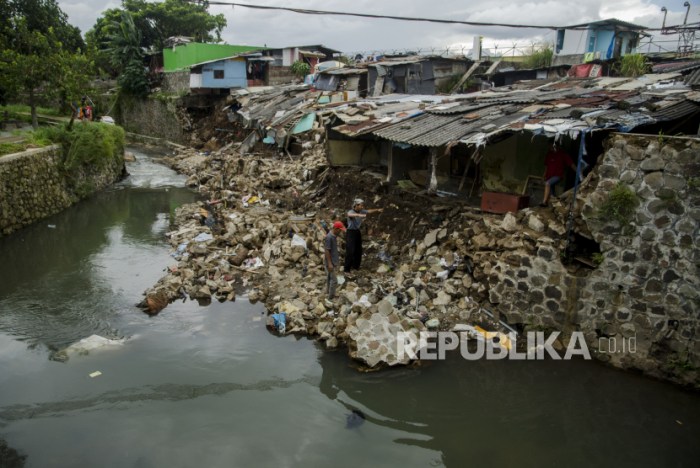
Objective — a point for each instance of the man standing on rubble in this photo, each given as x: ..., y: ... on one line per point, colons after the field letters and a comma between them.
x: 353, y: 239
x: 555, y: 163
x: 332, y: 258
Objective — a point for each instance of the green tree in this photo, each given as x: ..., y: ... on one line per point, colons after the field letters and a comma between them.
x: 40, y: 16
x: 126, y: 56
x: 158, y: 21
x: 37, y: 63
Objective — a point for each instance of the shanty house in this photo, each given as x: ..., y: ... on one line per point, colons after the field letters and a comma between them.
x: 219, y: 74
x: 414, y: 75
x: 599, y: 40
x: 352, y: 81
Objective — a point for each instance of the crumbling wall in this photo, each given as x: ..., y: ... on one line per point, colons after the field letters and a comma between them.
x: 280, y: 75
x: 645, y: 292
x: 35, y: 184
x: 648, y: 283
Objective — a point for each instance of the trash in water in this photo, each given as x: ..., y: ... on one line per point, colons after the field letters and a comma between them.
x: 52, y: 226
x: 280, y: 321
x: 355, y: 419
x: 203, y: 237
x: 95, y: 374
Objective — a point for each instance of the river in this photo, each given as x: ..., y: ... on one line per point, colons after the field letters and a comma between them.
x: 210, y: 387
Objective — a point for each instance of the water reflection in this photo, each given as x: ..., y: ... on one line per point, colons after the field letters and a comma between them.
x: 64, y: 277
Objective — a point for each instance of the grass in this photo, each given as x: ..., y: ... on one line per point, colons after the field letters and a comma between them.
x: 619, y: 206
x: 11, y: 148
x: 87, y: 143
x: 15, y: 110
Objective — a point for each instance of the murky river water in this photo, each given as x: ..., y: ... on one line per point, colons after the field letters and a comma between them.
x: 209, y: 387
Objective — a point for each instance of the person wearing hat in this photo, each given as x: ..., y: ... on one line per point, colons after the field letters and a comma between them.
x: 332, y: 258
x: 353, y: 238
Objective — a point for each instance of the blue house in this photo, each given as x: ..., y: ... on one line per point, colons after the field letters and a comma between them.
x: 599, y: 40
x: 219, y: 74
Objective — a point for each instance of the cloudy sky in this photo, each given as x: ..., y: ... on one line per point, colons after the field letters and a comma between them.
x: 351, y: 35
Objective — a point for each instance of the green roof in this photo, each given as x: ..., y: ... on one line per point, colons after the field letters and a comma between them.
x: 182, y: 57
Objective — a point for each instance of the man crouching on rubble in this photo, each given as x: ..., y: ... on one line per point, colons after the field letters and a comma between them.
x: 332, y: 259
x: 353, y: 240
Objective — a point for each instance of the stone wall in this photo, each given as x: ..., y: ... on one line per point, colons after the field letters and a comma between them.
x: 645, y: 291
x: 280, y: 75
x: 34, y: 184
x: 154, y: 116
x: 176, y: 82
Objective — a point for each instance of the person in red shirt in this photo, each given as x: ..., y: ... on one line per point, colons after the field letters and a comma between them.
x: 555, y: 163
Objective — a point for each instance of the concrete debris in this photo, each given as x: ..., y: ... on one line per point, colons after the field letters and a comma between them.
x: 261, y: 231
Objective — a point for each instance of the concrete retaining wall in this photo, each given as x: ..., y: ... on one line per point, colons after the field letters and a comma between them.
x: 644, y: 294
x: 152, y: 116
x: 34, y: 185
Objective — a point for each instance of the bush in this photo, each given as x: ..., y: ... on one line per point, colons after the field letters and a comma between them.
x: 92, y: 143
x: 301, y: 69
x: 632, y: 65
x: 541, y: 58
x: 619, y: 206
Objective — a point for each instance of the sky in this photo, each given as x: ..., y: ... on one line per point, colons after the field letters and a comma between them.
x: 361, y: 35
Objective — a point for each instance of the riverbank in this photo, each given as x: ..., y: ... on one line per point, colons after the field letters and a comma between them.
x: 39, y: 182
x: 429, y: 263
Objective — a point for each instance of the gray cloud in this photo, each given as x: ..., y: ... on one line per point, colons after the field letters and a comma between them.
x: 275, y: 28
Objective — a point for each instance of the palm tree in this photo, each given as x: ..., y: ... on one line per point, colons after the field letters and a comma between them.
x: 125, y: 54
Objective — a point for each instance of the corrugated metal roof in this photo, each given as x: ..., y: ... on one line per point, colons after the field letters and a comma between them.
x: 404, y: 132
x: 693, y: 79
x: 444, y: 134
x: 344, y: 71
x: 676, y: 66
x: 459, y: 108
x: 608, y: 22
x: 676, y: 111
x: 566, y: 112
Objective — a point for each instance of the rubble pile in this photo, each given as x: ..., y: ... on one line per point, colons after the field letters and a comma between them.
x: 260, y: 235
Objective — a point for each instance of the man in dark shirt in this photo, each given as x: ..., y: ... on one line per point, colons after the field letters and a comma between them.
x: 331, y: 258
x: 353, y: 239
x: 555, y: 163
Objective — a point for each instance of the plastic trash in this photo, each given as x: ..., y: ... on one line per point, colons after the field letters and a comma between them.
x: 443, y: 274
x: 253, y: 263
x: 95, y: 374
x: 52, y: 226
x: 280, y: 321
x: 181, y: 249
x: 250, y: 200
x: 299, y: 241
x: 203, y: 237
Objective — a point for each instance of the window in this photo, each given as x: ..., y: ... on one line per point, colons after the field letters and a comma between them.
x: 560, y: 40
x: 218, y: 74
x: 591, y: 43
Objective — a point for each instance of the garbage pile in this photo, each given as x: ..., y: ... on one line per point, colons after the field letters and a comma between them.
x: 260, y: 235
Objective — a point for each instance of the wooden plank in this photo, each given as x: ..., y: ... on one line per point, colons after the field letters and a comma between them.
x: 493, y: 67
x: 378, y: 86
x: 466, y: 76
